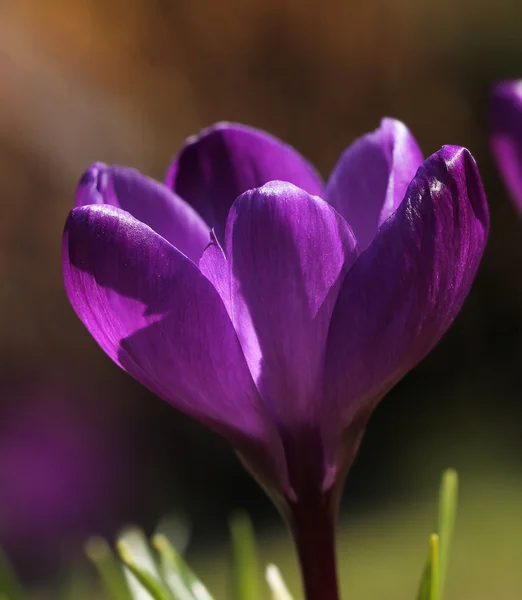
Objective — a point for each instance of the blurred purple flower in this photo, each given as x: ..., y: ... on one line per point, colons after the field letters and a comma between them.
x: 309, y: 303
x: 60, y: 475
x: 506, y: 135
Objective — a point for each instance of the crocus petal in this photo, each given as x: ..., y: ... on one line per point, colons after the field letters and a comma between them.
x: 148, y: 201
x: 286, y: 255
x: 404, y: 291
x: 213, y: 264
x: 154, y: 313
x: 371, y: 177
x: 506, y: 135
x: 216, y: 166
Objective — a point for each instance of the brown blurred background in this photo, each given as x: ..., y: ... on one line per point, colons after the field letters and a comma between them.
x: 126, y: 81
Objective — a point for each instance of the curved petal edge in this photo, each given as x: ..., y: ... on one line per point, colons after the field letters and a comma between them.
x: 404, y: 291
x: 216, y: 166
x: 370, y: 179
x: 148, y: 201
x: 154, y: 313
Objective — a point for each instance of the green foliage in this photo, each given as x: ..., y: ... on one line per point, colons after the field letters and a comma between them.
x: 429, y: 586
x: 448, y: 500
x: 246, y: 578
x: 276, y: 584
x: 153, y: 569
x: 157, y: 572
x: 109, y: 568
x: 434, y: 574
x: 181, y: 580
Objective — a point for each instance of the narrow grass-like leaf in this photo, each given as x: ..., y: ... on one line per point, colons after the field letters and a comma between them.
x: 447, y: 512
x: 434, y: 574
x: 137, y: 546
x: 276, y: 584
x: 429, y: 585
x: 200, y: 591
x: 109, y: 569
x: 10, y: 586
x: 435, y: 569
x: 246, y: 574
x: 425, y: 583
x: 180, y: 578
x: 172, y: 569
x: 153, y: 586
x: 171, y: 561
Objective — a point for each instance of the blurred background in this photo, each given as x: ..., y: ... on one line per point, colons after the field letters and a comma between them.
x: 83, y: 448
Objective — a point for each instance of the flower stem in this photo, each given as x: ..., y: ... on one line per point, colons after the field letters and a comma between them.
x: 313, y: 528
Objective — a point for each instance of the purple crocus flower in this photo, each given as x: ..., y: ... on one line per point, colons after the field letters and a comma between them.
x: 273, y: 308
x: 60, y: 475
x: 506, y: 135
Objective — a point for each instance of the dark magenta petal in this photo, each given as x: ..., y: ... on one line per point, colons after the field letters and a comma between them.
x: 286, y: 255
x: 215, y: 167
x: 404, y: 291
x: 154, y: 313
x: 148, y: 201
x: 506, y: 135
x: 372, y: 176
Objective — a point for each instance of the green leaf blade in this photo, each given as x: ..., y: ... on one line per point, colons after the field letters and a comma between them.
x: 448, y: 500
x: 147, y: 580
x: 276, y: 584
x: 246, y: 573
x: 429, y: 585
x: 111, y: 574
x: 435, y: 569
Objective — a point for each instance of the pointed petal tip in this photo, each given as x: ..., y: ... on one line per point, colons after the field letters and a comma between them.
x: 76, y: 224
x: 276, y: 187
x: 392, y: 123
x: 75, y: 214
x: 90, y: 186
x: 147, y: 200
x: 451, y: 152
x: 372, y: 175
x: 456, y: 159
x: 89, y: 176
x: 462, y: 168
x: 398, y: 136
x: 93, y: 171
